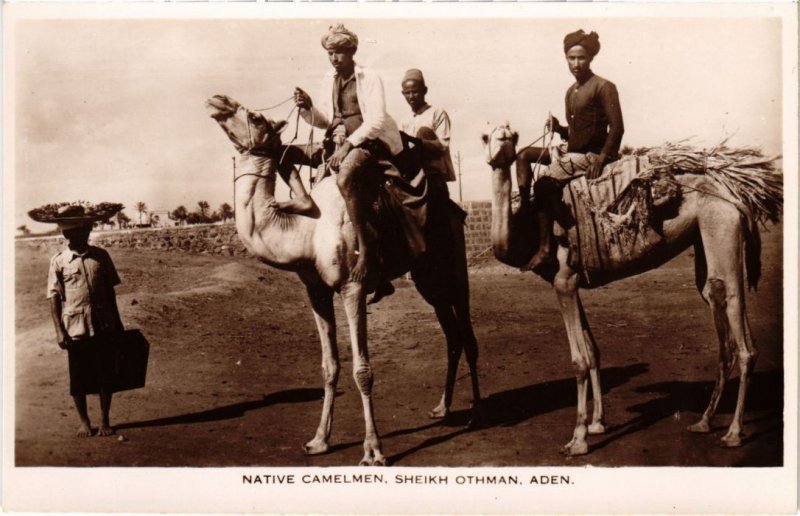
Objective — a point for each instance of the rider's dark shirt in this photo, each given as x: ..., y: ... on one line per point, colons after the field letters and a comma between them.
x: 594, y: 117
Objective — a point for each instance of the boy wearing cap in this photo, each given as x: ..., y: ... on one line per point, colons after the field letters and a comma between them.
x: 352, y: 110
x: 80, y: 286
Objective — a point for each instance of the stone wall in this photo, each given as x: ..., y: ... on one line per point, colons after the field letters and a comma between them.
x: 221, y: 239
x: 479, y: 221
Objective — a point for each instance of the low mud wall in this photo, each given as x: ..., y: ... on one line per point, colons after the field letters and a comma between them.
x: 221, y: 239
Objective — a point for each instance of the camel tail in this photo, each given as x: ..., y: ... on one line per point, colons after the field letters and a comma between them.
x: 752, y: 253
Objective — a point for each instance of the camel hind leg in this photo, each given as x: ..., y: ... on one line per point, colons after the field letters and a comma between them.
x: 354, y: 300
x: 441, y: 277
x: 723, y: 290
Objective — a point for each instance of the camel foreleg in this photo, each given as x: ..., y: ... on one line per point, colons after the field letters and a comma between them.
x: 582, y: 351
x: 354, y: 300
x: 321, y: 298
x: 597, y: 426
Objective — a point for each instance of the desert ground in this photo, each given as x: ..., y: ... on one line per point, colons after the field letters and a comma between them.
x: 234, y: 372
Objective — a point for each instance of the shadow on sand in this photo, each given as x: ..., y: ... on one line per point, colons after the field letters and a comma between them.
x: 231, y: 411
x: 765, y: 395
x: 512, y: 407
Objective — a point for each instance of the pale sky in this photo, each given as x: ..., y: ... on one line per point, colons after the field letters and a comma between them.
x: 113, y: 109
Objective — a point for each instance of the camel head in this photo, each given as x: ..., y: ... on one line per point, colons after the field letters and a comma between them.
x: 500, y: 145
x: 248, y: 130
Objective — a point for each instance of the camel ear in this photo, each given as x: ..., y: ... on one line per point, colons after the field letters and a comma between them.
x: 515, y: 137
x: 280, y: 125
x: 485, y: 138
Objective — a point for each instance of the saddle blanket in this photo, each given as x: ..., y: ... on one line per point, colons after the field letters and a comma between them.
x: 609, y: 222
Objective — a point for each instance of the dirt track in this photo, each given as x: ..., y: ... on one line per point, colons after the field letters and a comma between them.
x: 234, y: 376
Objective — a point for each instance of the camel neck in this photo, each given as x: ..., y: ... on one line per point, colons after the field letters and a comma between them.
x: 263, y: 229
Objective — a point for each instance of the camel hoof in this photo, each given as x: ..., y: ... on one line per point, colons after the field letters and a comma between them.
x: 315, y: 447
x: 574, y: 448
x: 369, y: 461
x: 731, y: 441
x: 439, y: 413
x: 384, y: 289
x: 597, y: 428
x: 701, y: 427
x: 477, y: 416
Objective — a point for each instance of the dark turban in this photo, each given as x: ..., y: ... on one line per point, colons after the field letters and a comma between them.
x: 338, y: 38
x: 591, y: 41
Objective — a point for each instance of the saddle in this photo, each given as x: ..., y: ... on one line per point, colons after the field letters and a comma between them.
x: 614, y: 221
x: 399, y: 189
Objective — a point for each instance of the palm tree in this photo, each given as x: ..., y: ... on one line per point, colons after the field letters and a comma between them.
x: 203, y: 205
x: 225, y: 212
x: 180, y: 213
x: 141, y: 208
x: 122, y: 219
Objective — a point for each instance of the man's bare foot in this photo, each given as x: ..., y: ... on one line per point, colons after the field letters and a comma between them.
x: 85, y: 430
x: 385, y: 288
x: 359, y: 270
x: 298, y: 206
x: 541, y: 258
x: 105, y: 429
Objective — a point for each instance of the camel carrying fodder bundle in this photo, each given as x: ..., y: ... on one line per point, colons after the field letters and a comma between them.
x: 721, y: 195
x: 751, y: 178
x: 618, y: 216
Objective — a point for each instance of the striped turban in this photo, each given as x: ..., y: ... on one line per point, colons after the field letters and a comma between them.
x: 339, y: 38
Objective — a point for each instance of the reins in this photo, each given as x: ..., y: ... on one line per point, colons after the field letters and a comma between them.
x: 545, y: 133
x: 308, y: 144
x: 276, y: 105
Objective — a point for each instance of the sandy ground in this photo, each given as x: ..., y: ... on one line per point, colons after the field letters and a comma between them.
x: 234, y: 373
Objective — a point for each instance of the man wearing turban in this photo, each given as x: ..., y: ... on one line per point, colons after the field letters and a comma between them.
x: 352, y: 110
x: 594, y: 131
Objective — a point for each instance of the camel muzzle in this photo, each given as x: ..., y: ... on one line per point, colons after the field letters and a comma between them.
x: 220, y: 106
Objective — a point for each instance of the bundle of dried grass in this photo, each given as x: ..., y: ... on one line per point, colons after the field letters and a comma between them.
x: 100, y: 211
x: 750, y: 177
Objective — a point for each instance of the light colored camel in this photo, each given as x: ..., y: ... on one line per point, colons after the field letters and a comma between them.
x: 707, y: 219
x: 321, y: 250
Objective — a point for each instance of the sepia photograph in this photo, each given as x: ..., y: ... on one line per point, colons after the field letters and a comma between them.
x: 530, y: 258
